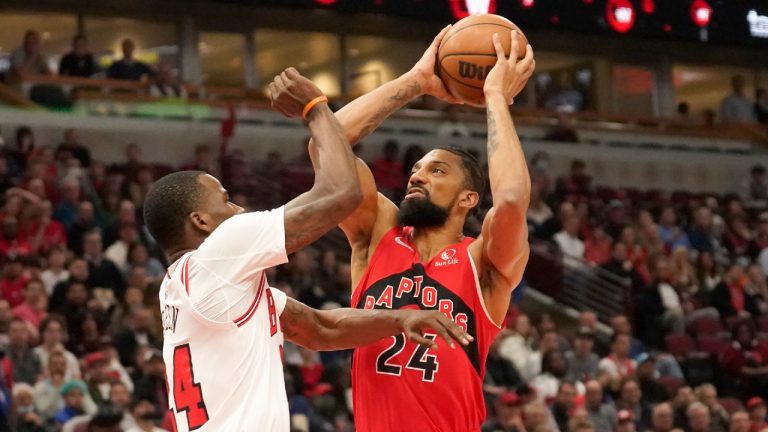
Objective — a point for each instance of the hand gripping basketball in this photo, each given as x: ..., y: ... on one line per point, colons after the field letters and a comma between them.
x: 508, y: 76
x: 290, y: 92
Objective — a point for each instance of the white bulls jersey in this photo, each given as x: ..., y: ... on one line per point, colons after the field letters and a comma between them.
x: 222, y: 339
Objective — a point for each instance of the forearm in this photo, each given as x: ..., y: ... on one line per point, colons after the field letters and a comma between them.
x: 347, y: 328
x: 331, y: 155
x: 507, y: 168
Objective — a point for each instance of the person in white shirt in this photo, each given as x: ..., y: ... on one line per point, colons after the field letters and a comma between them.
x: 737, y: 108
x: 223, y: 326
x: 569, y: 242
x: 56, y: 271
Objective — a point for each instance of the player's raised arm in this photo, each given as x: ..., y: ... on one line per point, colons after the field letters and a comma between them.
x: 348, y: 328
x: 336, y: 191
x: 504, y: 238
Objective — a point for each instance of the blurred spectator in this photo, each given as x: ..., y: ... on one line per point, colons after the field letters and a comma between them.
x: 662, y: 418
x: 746, y: 360
x: 98, y: 377
x: 18, y: 156
x: 554, y: 366
x: 730, y: 298
x: 151, y: 386
x: 621, y: 266
x: 761, y: 105
x: 53, y: 333
x: 617, y: 365
x: 518, y: 347
x: 576, y: 184
x: 29, y: 58
x: 79, y: 62
x: 538, y: 210
x: 55, y: 271
x: 680, y: 403
x: 11, y: 244
x: 539, y: 169
x: 509, y: 415
x: 631, y: 399
x: 708, y: 273
x: 25, y: 363
x: 707, y: 395
x: 669, y: 230
x: 138, y: 256
x: 145, y: 416
x: 75, y: 148
x: 699, y: 419
x: 103, y: 273
x: 500, y: 373
x: 564, y: 404
x: 45, y: 233
x: 597, y: 246
x: 135, y: 336
x: 736, y: 107
x: 538, y: 417
x: 27, y: 419
x: 118, y: 251
x: 602, y: 415
x: 13, y: 281
x: 386, y: 171
x: 205, y: 161
x: 33, y: 309
x: 754, y: 189
x: 757, y: 413
x: 67, y: 210
x: 583, y: 364
x: 626, y: 421
x: 740, y: 422
x: 48, y: 398
x: 166, y: 84
x: 74, y: 392
x: 659, y: 309
x: 569, y: 242
x: 451, y: 126
x: 128, y: 68
x: 653, y: 392
x: 701, y: 233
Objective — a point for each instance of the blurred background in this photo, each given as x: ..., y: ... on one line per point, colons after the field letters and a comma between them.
x: 645, y: 125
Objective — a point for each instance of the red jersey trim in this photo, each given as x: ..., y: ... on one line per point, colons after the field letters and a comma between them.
x: 480, y: 297
x: 244, y: 318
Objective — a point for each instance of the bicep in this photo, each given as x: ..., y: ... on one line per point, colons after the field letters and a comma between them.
x: 504, y: 242
x: 375, y: 215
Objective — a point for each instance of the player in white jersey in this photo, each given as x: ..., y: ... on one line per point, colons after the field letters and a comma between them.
x: 223, y: 326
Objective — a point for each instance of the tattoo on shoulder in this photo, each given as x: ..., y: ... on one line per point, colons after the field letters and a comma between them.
x: 391, y: 104
x: 493, y: 139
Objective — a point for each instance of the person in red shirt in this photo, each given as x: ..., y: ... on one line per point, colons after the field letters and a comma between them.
x: 757, y: 413
x: 11, y: 243
x: 33, y: 310
x: 13, y: 281
x: 746, y: 359
x: 43, y: 233
x: 388, y: 172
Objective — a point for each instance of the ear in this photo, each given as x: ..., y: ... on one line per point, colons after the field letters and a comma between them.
x: 201, y: 221
x: 469, y: 199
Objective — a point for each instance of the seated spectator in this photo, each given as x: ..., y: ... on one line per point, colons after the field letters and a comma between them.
x: 662, y: 418
x: 79, y: 62
x: 757, y: 413
x: 549, y: 342
x: 564, y: 405
x: 740, y: 422
x: 74, y: 392
x: 205, y: 161
x: 500, y: 374
x: 653, y: 392
x: 701, y: 234
x: 518, y: 347
x: 553, y: 370
x: 33, y: 309
x: 26, y: 416
x: 13, y: 280
x: 708, y: 274
x: 137, y: 335
x: 138, y: 256
x: 144, y: 414
x: 616, y: 220
x: 165, y: 84
x: 621, y: 266
x: 138, y: 189
x: 626, y: 421
x: 569, y: 242
x: 67, y: 210
x: 597, y: 246
x: 538, y: 417
x: 99, y: 378
x: 746, y: 360
x: 11, y: 244
x: 602, y: 415
x: 617, y: 365
x: 538, y: 210
x: 120, y: 397
x: 118, y: 251
x: 75, y: 148
x: 128, y: 68
x: 730, y: 298
x: 707, y: 395
x: 25, y: 364
x: 680, y: 403
x: 78, y: 273
x: 736, y: 107
x: 48, y: 398
x: 508, y: 415
x: 152, y: 385
x: 682, y: 272
x: 103, y: 273
x: 739, y: 238
x: 29, y: 58
x: 659, y: 309
x: 582, y: 362
x: 45, y: 233
x: 387, y: 171
x: 85, y: 222
x: 576, y: 184
x: 53, y: 333
x: 451, y: 126
x: 699, y: 419
x: 631, y: 399
x: 564, y: 131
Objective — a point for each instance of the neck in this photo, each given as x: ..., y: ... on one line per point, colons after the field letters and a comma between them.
x: 429, y: 241
x: 178, y: 253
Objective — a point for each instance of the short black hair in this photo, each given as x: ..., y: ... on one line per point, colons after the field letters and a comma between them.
x: 474, y: 173
x: 168, y: 203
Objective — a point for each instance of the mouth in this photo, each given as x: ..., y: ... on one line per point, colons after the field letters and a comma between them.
x: 415, y: 192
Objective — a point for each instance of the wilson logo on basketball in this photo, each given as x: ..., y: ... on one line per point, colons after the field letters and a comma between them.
x: 473, y: 71
x: 464, y: 8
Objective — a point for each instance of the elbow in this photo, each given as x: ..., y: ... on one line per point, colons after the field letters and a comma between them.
x: 513, y: 199
x: 349, y: 197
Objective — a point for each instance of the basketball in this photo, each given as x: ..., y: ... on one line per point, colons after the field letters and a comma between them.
x: 466, y: 54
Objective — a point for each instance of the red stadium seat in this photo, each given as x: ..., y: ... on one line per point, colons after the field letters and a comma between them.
x: 706, y: 326
x: 711, y: 344
x: 671, y: 383
x: 680, y: 345
x: 731, y: 404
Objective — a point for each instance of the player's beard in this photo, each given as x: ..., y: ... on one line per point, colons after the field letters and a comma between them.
x: 421, y: 213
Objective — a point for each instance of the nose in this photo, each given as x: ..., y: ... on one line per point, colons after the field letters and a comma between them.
x: 418, y: 177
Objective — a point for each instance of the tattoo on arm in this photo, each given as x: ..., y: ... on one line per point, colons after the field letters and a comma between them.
x: 390, y: 105
x: 309, y: 219
x: 293, y: 318
x: 493, y: 139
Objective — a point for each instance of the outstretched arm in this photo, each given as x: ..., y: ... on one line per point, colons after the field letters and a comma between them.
x: 336, y: 191
x: 348, y: 328
x: 504, y: 238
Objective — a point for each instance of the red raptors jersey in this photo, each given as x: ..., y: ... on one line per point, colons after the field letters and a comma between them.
x: 400, y: 386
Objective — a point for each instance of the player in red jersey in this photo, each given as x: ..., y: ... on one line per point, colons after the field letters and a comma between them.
x: 416, y: 256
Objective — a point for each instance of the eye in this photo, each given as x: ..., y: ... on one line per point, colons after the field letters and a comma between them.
x: 438, y: 170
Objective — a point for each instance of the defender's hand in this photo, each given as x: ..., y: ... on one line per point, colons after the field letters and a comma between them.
x: 425, y: 72
x: 290, y: 92
x: 508, y: 76
x: 415, y: 322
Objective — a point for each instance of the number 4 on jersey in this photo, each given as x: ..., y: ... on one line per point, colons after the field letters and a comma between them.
x: 420, y: 359
x: 187, y: 394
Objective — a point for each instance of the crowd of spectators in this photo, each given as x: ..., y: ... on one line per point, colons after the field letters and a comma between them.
x: 80, y: 327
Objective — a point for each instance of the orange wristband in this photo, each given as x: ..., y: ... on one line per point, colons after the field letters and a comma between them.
x: 312, y: 104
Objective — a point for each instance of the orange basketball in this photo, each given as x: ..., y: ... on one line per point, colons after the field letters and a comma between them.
x: 466, y: 54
